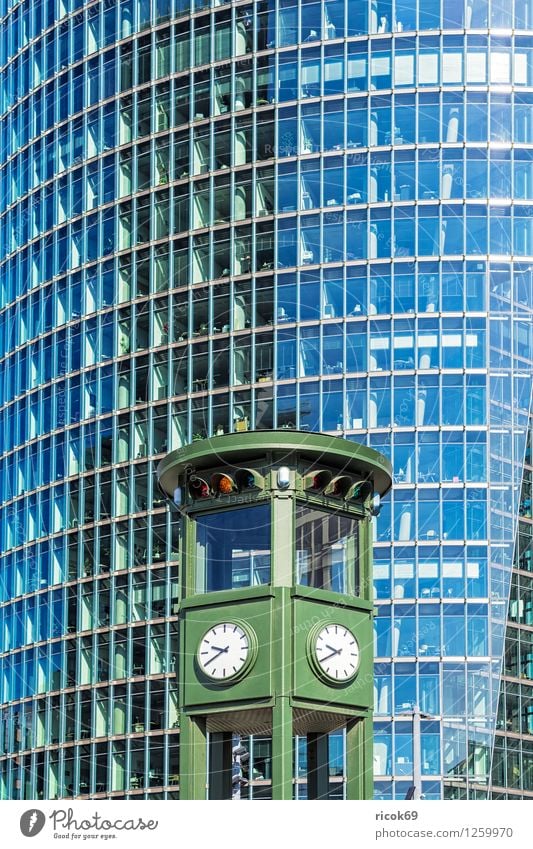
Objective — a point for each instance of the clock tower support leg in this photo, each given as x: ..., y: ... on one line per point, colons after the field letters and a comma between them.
x: 220, y: 767
x: 282, y: 750
x: 193, y: 757
x: 359, y: 765
x: 317, y: 765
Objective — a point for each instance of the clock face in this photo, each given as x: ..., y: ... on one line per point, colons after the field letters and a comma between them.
x: 336, y: 653
x: 224, y: 651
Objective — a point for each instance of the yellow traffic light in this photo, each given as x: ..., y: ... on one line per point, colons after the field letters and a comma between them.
x: 222, y: 484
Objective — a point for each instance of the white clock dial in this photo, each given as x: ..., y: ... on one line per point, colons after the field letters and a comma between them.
x: 336, y: 652
x: 223, y: 651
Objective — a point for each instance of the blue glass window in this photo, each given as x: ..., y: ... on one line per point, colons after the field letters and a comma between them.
x: 235, y: 553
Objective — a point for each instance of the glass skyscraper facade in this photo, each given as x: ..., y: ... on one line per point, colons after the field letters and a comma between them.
x: 254, y: 215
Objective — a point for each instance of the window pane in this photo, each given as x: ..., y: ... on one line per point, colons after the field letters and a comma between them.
x: 233, y: 549
x: 326, y: 546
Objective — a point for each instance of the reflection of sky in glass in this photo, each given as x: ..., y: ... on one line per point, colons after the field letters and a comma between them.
x: 233, y: 549
x: 326, y: 555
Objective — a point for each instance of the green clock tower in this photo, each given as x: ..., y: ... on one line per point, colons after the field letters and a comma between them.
x: 275, y: 616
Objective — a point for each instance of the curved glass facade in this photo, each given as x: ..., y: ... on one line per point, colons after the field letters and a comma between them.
x: 256, y: 215
x: 512, y: 760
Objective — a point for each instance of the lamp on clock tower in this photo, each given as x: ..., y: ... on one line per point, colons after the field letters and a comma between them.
x: 275, y: 613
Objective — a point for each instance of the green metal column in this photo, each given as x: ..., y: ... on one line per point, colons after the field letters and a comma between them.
x: 317, y: 765
x: 283, y: 540
x: 282, y: 741
x: 282, y: 755
x: 220, y: 766
x: 193, y: 757
x: 359, y: 763
x: 365, y: 588
x: 282, y: 578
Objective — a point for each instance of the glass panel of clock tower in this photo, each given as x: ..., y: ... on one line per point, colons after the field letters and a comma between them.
x: 326, y: 546
x: 233, y: 549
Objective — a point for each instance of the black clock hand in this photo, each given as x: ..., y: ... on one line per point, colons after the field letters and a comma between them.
x: 219, y: 652
x: 334, y: 652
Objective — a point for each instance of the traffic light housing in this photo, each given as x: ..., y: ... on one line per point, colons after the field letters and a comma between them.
x: 198, y: 488
x: 222, y: 484
x: 225, y: 483
x: 339, y: 487
x: 248, y: 480
x: 361, y: 490
x: 342, y: 487
x: 316, y: 481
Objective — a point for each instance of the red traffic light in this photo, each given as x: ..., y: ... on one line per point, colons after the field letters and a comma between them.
x: 316, y: 480
x: 199, y: 488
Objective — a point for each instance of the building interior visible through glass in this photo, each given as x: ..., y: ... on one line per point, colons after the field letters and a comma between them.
x: 233, y: 548
x: 326, y: 550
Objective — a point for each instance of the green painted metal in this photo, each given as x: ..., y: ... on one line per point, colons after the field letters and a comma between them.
x: 220, y: 760
x: 317, y: 765
x: 365, y: 561
x: 282, y: 749
x: 355, y: 695
x: 187, y: 579
x: 281, y: 683
x: 238, y: 449
x: 282, y: 711
x: 193, y: 757
x: 359, y: 776
x: 198, y: 691
x: 282, y: 545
